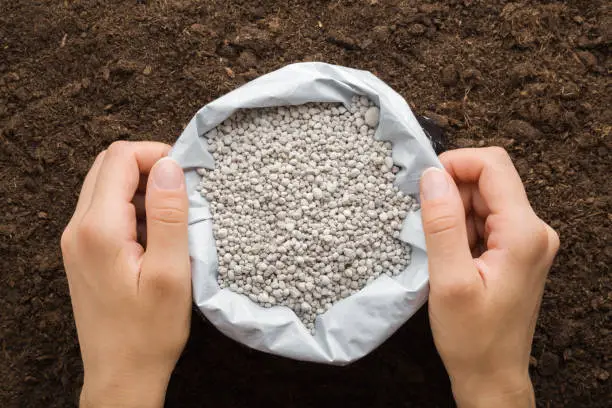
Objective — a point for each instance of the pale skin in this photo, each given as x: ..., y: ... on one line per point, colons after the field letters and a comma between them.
x: 489, y: 255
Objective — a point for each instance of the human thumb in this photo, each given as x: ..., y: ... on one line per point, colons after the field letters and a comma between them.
x: 443, y: 214
x: 166, y: 209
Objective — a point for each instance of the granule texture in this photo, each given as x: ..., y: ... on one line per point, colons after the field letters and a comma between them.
x: 304, y: 207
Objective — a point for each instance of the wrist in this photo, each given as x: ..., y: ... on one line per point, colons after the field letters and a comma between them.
x: 500, y: 391
x: 125, y: 390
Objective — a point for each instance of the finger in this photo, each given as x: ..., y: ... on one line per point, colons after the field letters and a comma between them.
x: 475, y: 209
x: 88, y: 187
x: 448, y: 249
x: 465, y: 191
x: 123, y: 166
x: 167, y: 245
x: 492, y: 170
x: 472, y: 200
x: 117, y: 181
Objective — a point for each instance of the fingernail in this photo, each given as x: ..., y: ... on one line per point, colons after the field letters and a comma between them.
x: 434, y: 184
x: 167, y: 174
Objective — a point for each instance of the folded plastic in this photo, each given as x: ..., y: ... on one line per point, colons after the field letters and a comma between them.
x: 359, y: 323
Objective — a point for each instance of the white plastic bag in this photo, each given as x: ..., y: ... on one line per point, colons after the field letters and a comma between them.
x: 358, y: 324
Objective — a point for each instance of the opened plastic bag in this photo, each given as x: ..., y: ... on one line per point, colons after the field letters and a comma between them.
x: 359, y: 323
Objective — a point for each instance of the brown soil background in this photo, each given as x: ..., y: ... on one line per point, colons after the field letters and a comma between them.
x: 531, y: 76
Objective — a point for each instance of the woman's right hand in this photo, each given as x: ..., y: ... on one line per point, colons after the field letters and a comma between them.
x: 489, y: 255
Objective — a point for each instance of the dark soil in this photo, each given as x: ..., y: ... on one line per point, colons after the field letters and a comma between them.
x: 531, y: 76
